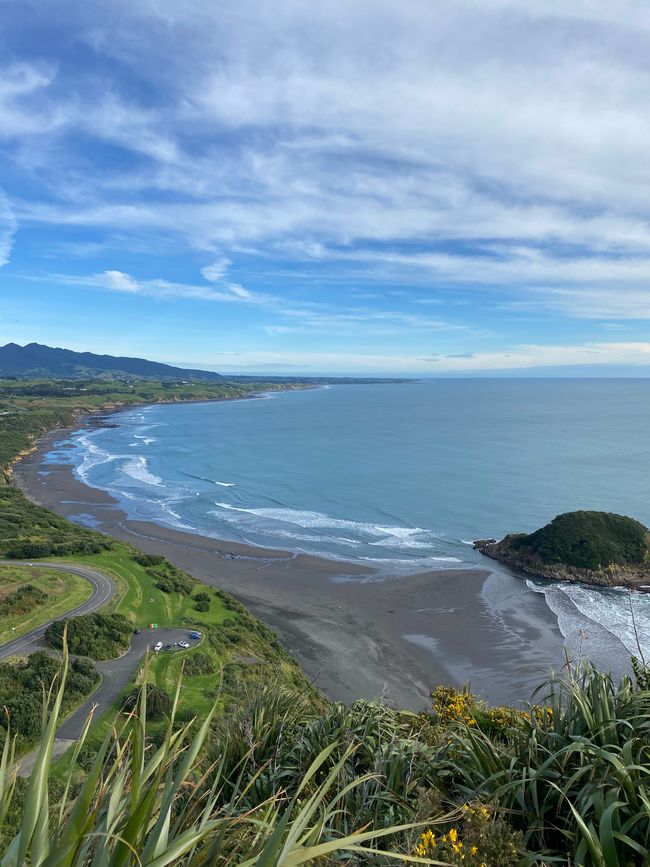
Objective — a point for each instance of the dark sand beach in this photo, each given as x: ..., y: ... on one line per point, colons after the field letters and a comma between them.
x: 355, y: 635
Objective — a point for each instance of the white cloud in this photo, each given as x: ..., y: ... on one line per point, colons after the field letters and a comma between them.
x: 8, y: 226
x: 118, y: 281
x: 217, y: 270
x: 377, y: 137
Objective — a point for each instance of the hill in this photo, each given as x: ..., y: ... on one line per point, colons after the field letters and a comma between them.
x: 595, y: 547
x: 37, y: 360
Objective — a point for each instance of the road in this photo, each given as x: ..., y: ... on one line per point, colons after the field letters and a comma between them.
x: 103, y: 591
x: 116, y: 673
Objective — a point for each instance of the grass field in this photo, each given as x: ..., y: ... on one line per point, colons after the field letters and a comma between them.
x: 140, y: 600
x: 64, y: 591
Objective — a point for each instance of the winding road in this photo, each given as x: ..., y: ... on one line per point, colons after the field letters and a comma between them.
x: 103, y: 592
x: 116, y: 673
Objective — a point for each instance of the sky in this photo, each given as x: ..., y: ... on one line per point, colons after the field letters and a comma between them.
x: 429, y: 188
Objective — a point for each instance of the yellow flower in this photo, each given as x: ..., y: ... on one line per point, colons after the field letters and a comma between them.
x: 453, y: 835
x: 474, y: 850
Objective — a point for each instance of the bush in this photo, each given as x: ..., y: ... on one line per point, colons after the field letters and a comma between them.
x: 148, y: 559
x: 169, y: 579
x: 203, y: 597
x: 100, y: 636
x: 22, y: 688
x: 199, y: 663
x: 159, y: 704
x: 23, y: 600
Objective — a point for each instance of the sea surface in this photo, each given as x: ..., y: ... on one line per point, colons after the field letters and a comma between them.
x: 399, y: 476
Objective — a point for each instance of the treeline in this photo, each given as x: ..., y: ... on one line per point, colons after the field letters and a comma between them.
x: 100, y: 636
x: 168, y: 577
x: 23, y: 685
x: 28, y: 531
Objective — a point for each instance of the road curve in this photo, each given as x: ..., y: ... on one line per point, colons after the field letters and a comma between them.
x: 103, y: 592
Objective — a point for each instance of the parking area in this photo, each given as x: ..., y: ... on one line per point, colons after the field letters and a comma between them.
x: 167, y: 644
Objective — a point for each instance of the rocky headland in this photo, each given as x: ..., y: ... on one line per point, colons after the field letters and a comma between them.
x: 597, y: 548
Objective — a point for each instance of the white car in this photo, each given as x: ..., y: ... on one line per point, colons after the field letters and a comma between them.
x: 157, y: 647
x: 183, y: 644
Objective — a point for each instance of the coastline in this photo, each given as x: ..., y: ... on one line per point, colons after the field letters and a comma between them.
x: 354, y: 635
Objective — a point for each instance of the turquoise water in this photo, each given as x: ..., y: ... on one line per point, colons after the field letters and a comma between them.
x: 401, y: 476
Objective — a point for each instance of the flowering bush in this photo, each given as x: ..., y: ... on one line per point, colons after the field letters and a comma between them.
x: 483, y: 839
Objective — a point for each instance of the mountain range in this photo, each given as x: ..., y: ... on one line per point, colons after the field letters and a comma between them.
x: 37, y: 360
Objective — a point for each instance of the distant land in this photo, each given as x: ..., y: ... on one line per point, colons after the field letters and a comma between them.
x: 593, y: 547
x: 37, y: 361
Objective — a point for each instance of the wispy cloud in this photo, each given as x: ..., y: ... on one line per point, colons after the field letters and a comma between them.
x: 492, y: 153
x: 118, y: 281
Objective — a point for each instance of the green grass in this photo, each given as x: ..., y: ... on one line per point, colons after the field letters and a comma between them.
x: 139, y: 599
x: 65, y: 591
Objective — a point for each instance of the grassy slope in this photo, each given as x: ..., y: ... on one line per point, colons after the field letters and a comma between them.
x: 65, y: 591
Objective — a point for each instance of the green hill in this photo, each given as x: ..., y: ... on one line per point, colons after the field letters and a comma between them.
x: 580, y: 545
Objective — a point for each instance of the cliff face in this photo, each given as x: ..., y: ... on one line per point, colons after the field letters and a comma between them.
x: 597, y: 548
x: 526, y: 561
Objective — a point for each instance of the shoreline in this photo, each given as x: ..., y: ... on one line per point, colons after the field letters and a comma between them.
x: 390, y: 638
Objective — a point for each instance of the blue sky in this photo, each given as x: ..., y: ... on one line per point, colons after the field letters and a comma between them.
x: 428, y: 188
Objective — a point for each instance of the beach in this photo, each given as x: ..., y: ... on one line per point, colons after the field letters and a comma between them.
x: 357, y: 636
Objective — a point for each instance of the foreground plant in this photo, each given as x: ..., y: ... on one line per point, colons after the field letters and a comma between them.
x: 160, y: 806
x: 574, y: 777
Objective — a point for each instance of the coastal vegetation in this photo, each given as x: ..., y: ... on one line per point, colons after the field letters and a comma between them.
x: 30, y: 597
x: 23, y: 685
x: 276, y: 780
x: 598, y: 547
x: 98, y: 635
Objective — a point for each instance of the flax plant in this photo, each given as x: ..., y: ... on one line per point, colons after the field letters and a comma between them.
x: 141, y: 805
x: 575, y: 779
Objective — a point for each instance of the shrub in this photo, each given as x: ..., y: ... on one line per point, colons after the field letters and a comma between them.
x: 159, y: 704
x: 148, y: 559
x: 199, y: 663
x: 23, y: 600
x: 100, y: 636
x: 169, y: 579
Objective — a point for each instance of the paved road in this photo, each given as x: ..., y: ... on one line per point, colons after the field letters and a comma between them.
x: 103, y: 590
x: 116, y: 673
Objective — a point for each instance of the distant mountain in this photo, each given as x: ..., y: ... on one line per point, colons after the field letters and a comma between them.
x: 44, y: 361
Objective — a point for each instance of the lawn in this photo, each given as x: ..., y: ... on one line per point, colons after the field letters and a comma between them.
x: 64, y: 591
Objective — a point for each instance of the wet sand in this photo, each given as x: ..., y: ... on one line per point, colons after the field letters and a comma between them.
x: 355, y: 635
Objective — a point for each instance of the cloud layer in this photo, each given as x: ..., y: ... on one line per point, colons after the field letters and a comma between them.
x: 491, y: 155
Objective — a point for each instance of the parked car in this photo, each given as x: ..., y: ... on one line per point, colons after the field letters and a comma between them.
x: 157, y: 647
x: 168, y: 647
x: 183, y: 644
x: 195, y: 635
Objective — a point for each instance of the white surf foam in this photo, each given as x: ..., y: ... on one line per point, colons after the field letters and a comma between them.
x: 138, y: 468
x: 318, y: 520
x: 582, y: 610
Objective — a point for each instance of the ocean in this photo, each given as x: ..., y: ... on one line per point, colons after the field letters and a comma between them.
x: 398, y: 476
